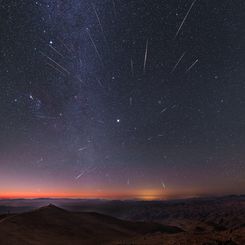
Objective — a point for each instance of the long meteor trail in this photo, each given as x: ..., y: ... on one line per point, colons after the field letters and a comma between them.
x: 146, y: 54
x: 192, y: 65
x: 183, y: 21
x: 56, y: 63
x: 95, y: 47
x: 99, y: 21
x: 179, y: 60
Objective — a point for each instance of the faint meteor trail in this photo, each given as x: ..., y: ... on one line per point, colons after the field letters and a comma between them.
x: 63, y: 68
x: 86, y: 171
x: 95, y: 47
x: 183, y: 22
x: 56, y: 51
x: 82, y: 148
x: 114, y: 8
x: 56, y: 69
x: 192, y: 65
x: 179, y: 60
x: 80, y: 80
x: 46, y: 117
x: 163, y: 185
x: 67, y: 48
x: 99, y: 82
x: 165, y: 109
x: 132, y: 67
x: 130, y: 101
x: 146, y: 55
x: 56, y: 63
x: 99, y: 21
x: 101, y: 122
x: 80, y: 175
x: 39, y: 161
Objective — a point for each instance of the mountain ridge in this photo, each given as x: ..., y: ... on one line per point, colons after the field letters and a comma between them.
x: 50, y: 224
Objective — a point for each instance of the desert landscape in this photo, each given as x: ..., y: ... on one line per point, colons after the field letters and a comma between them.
x: 204, y: 221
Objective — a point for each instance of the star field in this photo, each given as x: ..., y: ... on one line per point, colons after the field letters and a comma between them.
x: 120, y: 98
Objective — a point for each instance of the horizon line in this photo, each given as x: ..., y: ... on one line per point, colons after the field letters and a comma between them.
x: 125, y: 198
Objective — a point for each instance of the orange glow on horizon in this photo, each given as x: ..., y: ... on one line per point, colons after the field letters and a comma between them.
x: 141, y: 194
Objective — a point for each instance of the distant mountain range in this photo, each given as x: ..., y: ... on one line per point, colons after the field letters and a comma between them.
x: 199, y: 221
x: 53, y: 225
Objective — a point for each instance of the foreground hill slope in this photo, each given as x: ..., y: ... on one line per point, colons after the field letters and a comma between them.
x: 53, y: 225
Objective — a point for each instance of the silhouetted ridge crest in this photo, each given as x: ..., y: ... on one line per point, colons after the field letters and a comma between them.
x: 51, y: 207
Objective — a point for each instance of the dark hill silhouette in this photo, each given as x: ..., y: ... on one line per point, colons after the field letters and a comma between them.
x: 54, y: 225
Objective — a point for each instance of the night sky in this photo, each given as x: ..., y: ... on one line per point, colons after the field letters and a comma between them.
x: 122, y: 99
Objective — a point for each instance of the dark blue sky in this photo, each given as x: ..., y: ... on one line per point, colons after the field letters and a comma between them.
x: 118, y: 97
